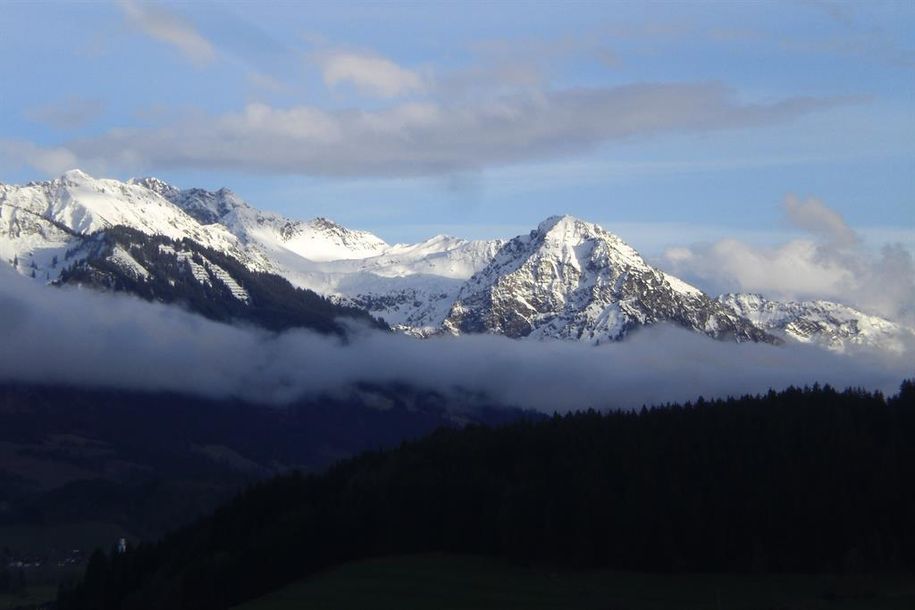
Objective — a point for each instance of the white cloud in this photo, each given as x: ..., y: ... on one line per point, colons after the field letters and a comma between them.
x: 163, y: 25
x: 369, y: 74
x: 82, y: 337
x: 410, y: 139
x: 834, y: 265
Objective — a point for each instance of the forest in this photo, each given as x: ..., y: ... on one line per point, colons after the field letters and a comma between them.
x: 811, y: 480
x: 273, y: 303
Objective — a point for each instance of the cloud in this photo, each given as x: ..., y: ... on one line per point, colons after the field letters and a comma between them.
x: 812, y: 215
x: 51, y: 161
x: 86, y: 338
x: 427, y: 138
x: 831, y: 264
x: 71, y: 113
x: 369, y: 74
x: 163, y: 25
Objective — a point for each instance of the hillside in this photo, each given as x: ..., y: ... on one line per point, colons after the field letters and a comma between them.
x: 204, y: 281
x: 807, y: 480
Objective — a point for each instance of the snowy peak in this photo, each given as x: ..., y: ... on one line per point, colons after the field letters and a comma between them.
x: 572, y: 279
x: 75, y: 177
x: 156, y: 185
x: 831, y: 325
x: 569, y: 227
x: 359, y: 244
x: 207, y: 207
x: 84, y: 205
x: 43, y: 223
x: 572, y: 238
x: 566, y: 279
x: 295, y: 244
x: 323, y: 240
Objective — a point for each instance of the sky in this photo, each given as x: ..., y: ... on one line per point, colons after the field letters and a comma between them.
x: 677, y: 125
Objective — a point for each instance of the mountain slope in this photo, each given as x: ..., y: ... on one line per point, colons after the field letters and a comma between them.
x: 567, y: 279
x: 316, y: 240
x: 43, y: 220
x: 205, y: 281
x: 571, y: 279
x: 782, y: 483
x: 411, y: 286
x: 824, y: 323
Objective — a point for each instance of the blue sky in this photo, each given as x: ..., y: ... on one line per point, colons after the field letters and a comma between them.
x: 668, y: 123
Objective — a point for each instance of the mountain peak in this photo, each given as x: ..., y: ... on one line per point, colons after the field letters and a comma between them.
x: 320, y: 222
x: 561, y: 222
x: 573, y: 231
x: 156, y: 185
x: 572, y: 279
x: 75, y: 175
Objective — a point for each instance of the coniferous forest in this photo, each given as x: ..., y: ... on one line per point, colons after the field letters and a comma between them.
x: 806, y: 480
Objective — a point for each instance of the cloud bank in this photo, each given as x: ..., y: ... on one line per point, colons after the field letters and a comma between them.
x: 86, y: 338
x: 830, y: 262
x: 415, y: 138
x: 370, y: 74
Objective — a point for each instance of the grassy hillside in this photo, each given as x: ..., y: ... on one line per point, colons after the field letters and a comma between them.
x: 460, y: 582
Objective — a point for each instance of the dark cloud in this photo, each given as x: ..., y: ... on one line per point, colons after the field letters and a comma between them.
x: 81, y: 337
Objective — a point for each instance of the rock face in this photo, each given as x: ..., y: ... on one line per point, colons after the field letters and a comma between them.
x: 571, y: 279
x: 567, y: 279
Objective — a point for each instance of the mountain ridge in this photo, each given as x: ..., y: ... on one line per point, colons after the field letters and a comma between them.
x: 566, y: 279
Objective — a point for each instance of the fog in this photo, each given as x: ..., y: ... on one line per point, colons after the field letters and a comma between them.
x: 75, y: 336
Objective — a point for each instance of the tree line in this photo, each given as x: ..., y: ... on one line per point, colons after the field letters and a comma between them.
x: 273, y: 302
x: 804, y: 480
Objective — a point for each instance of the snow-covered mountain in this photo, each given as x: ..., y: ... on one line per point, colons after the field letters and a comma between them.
x: 567, y: 279
x: 211, y: 283
x: 831, y: 325
x: 572, y: 279
x: 43, y: 224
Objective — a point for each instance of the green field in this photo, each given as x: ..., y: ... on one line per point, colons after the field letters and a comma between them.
x: 443, y: 582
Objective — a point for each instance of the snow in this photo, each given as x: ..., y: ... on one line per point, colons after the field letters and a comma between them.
x: 567, y: 279
x: 831, y: 325
x: 680, y: 286
x: 123, y: 259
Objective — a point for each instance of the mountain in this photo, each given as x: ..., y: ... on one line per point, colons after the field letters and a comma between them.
x: 412, y: 287
x: 41, y: 221
x: 206, y: 281
x: 145, y: 462
x: 567, y: 279
x: 831, y: 325
x: 572, y: 279
x: 127, y: 237
x: 316, y: 240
